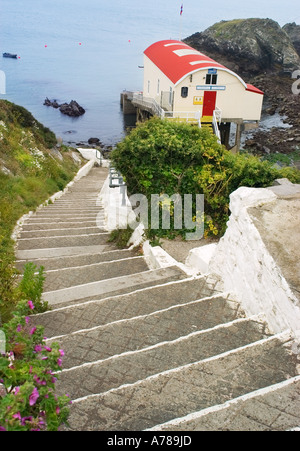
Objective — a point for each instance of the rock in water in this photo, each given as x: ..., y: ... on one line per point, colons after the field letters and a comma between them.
x: 72, y: 109
x: 248, y: 45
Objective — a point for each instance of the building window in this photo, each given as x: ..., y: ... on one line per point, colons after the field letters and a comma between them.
x: 211, y: 79
x: 158, y: 86
x: 184, y: 92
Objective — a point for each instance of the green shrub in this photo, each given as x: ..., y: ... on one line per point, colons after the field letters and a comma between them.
x: 164, y: 157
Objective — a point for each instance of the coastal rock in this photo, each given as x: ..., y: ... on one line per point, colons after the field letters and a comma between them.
x: 52, y: 103
x: 293, y: 31
x: 72, y: 109
x: 95, y: 141
x: 248, y: 45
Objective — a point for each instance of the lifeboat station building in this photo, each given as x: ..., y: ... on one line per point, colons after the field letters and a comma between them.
x: 184, y: 84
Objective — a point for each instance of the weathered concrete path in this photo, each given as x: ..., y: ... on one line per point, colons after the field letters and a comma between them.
x: 151, y: 349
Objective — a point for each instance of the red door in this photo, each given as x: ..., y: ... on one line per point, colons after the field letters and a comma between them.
x: 209, y: 103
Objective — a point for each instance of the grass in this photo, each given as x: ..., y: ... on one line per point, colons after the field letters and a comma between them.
x: 29, y: 175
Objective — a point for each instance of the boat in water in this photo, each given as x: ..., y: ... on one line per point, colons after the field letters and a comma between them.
x: 10, y: 55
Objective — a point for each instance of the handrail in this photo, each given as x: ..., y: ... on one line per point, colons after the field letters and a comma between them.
x: 217, y: 118
x: 115, y: 175
x: 149, y: 103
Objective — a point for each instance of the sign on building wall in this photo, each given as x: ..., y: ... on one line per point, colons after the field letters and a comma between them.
x: 198, y: 100
x: 210, y: 88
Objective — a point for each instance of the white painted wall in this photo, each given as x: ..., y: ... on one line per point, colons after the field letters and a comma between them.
x: 247, y: 268
x: 235, y: 102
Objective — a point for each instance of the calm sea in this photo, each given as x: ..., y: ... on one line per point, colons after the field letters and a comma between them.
x: 90, y: 50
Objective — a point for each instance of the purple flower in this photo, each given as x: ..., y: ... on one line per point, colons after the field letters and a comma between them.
x: 61, y: 352
x: 27, y: 319
x: 19, y: 328
x: 47, y: 349
x: 17, y: 416
x: 38, y: 348
x: 33, y: 397
x: 17, y: 389
x: 59, y: 362
x: 32, y: 331
x: 2, y: 429
x: 30, y: 305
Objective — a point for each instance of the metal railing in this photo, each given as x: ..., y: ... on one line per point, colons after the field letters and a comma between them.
x: 116, y: 181
x: 187, y: 116
x: 148, y: 104
x: 217, y: 118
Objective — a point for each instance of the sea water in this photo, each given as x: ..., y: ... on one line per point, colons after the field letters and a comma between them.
x: 90, y: 51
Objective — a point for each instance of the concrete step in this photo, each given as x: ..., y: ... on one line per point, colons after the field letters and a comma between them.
x: 63, y: 241
x: 131, y: 367
x: 178, y: 392
x: 116, y: 286
x: 36, y: 226
x: 138, y: 302
x: 68, y: 277
x: 274, y: 408
x: 61, y: 232
x: 57, y: 220
x: 48, y: 253
x: 143, y: 331
x: 77, y: 260
x: 43, y: 214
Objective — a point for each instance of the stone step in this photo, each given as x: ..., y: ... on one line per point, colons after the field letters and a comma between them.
x: 131, y: 367
x: 63, y: 241
x: 33, y: 254
x: 33, y: 220
x: 77, y: 260
x: 116, y: 286
x: 68, y: 277
x: 46, y: 214
x: 178, y: 392
x: 36, y: 226
x: 141, y: 332
x: 61, y: 232
x: 274, y: 408
x: 65, y: 320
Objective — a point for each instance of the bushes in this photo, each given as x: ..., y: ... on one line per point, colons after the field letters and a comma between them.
x: 161, y: 157
x: 27, y: 377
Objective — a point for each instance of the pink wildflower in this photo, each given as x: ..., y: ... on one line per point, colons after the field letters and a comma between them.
x: 17, y: 416
x: 38, y: 348
x: 30, y: 305
x: 61, y: 352
x: 59, y: 362
x: 32, y: 330
x: 47, y: 349
x: 33, y: 397
x: 19, y: 328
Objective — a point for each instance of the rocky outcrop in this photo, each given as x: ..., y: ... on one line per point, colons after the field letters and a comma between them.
x: 248, y: 45
x: 72, y: 109
x: 293, y: 31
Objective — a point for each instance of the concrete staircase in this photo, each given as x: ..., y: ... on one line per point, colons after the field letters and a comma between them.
x: 151, y: 349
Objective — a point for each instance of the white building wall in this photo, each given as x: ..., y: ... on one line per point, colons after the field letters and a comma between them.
x: 233, y: 99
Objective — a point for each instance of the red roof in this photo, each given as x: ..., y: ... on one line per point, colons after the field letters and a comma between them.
x: 178, y: 60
